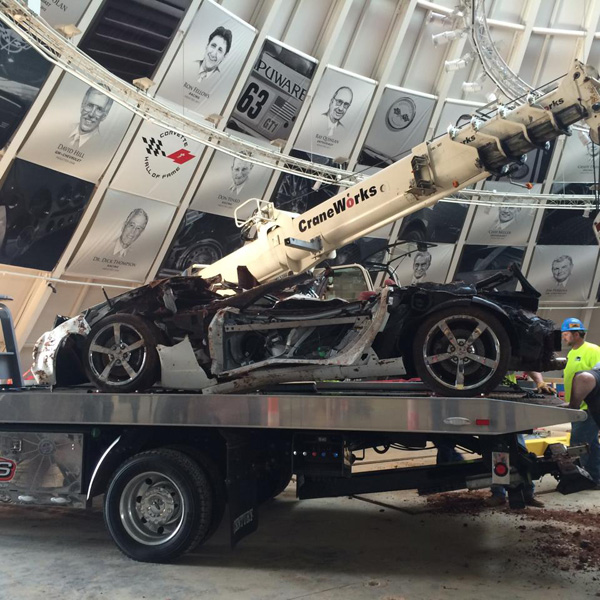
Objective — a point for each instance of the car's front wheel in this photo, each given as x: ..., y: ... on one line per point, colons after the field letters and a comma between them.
x: 120, y: 354
x: 462, y: 351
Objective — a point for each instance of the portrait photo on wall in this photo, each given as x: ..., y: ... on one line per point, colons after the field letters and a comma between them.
x: 208, y: 62
x: 123, y: 239
x: 563, y: 272
x: 158, y: 164
x: 202, y: 238
x: 61, y: 12
x: 507, y: 223
x: 336, y: 114
x: 400, y: 123
x: 78, y: 132
x: 230, y: 181
x: 298, y: 194
x: 577, y: 161
x: 440, y: 223
x: 572, y: 226
x: 23, y: 70
x: 480, y: 262
x: 419, y: 262
x: 274, y: 92
x: 39, y: 211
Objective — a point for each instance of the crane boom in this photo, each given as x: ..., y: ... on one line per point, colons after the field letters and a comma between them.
x: 434, y: 169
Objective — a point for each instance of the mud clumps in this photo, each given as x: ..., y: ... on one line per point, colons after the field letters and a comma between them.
x: 564, y: 540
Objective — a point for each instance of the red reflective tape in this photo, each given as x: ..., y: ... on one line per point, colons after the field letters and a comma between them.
x: 482, y: 421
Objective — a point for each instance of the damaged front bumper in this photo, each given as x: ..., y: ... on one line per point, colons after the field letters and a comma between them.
x: 46, y: 348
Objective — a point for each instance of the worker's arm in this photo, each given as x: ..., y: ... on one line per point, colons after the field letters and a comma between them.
x: 583, y: 383
x: 542, y: 386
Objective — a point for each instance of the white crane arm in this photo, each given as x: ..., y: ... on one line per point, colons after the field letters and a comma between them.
x: 434, y: 170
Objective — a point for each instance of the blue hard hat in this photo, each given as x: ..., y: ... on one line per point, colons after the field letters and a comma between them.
x: 572, y: 324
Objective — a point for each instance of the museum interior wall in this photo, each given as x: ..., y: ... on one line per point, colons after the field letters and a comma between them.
x: 95, y: 200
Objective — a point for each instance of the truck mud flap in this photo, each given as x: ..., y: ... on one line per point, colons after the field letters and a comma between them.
x: 241, y: 485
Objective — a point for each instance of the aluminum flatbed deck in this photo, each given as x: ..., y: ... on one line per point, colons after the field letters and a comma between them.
x: 365, y: 407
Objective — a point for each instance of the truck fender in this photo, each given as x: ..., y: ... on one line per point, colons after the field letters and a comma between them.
x: 120, y: 449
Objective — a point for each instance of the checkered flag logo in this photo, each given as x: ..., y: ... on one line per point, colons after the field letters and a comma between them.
x: 154, y: 146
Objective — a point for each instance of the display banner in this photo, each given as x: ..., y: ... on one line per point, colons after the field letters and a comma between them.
x: 159, y: 164
x: 336, y: 113
x: 456, y: 114
x: 480, y: 262
x: 502, y: 225
x: 572, y: 227
x: 124, y: 238
x: 40, y: 210
x: 416, y: 264
x: 274, y: 92
x: 400, y: 123
x: 577, y: 161
x: 229, y: 182
x: 22, y: 73
x: 563, y: 272
x: 299, y: 194
x: 533, y: 169
x: 78, y: 132
x: 202, y: 238
x: 208, y: 62
x: 367, y: 251
x: 441, y: 223
x: 63, y: 12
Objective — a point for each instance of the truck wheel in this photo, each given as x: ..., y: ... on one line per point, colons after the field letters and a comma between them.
x: 158, y: 506
x: 120, y: 354
x: 271, y: 484
x: 461, y: 351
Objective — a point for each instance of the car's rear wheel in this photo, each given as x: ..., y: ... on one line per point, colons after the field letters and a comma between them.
x: 120, y: 354
x: 461, y: 351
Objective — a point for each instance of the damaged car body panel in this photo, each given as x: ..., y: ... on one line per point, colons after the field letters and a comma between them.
x: 460, y: 339
x: 241, y: 342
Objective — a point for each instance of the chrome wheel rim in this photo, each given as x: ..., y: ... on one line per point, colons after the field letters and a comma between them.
x: 152, y: 508
x: 117, y: 354
x: 461, y: 352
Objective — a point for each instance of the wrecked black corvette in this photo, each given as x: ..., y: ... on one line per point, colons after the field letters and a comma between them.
x: 459, y: 339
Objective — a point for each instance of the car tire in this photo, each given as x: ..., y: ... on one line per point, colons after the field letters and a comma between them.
x: 413, y: 234
x: 204, y: 252
x: 158, y: 506
x: 120, y: 354
x: 447, y: 368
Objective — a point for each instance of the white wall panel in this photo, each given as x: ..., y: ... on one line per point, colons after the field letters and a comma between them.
x: 306, y: 24
x: 242, y: 8
x: 342, y: 45
x: 370, y: 37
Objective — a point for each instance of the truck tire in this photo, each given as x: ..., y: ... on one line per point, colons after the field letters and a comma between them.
x: 158, y: 506
x: 119, y: 354
x: 462, y: 351
x: 271, y: 484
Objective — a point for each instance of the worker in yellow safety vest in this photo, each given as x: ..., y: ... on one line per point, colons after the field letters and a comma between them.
x: 582, y: 357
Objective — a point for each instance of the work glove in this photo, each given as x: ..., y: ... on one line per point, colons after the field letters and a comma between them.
x: 545, y: 388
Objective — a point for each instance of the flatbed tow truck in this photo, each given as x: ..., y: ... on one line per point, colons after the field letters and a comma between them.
x: 169, y: 462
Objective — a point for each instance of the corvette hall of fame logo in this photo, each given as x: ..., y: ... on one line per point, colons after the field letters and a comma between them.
x: 10, y: 42
x: 401, y: 114
x: 166, y: 154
